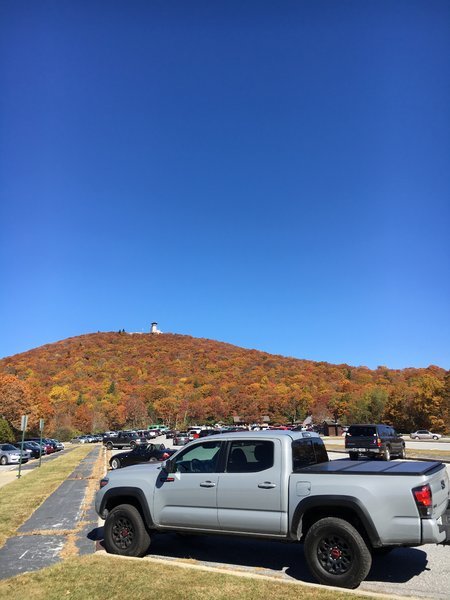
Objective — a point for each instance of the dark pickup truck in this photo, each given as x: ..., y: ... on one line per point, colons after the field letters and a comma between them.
x: 124, y: 439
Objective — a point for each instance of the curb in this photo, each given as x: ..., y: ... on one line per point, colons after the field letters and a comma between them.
x: 238, y: 573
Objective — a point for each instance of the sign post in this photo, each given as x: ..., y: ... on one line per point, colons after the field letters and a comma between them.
x: 41, y: 429
x: 23, y: 426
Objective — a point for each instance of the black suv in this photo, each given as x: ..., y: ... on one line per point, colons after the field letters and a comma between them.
x: 374, y: 441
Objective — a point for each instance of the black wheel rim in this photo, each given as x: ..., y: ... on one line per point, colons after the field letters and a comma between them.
x: 334, y: 554
x: 123, y: 533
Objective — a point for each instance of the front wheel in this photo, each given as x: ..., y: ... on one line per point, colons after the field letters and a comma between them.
x: 435, y: 437
x: 403, y: 453
x: 125, y: 532
x: 336, y: 553
x: 115, y: 463
x: 3, y: 460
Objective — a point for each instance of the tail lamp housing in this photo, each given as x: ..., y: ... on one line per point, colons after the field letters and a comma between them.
x: 424, y: 500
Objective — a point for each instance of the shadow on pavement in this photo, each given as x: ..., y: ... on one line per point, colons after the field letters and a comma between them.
x: 399, y: 566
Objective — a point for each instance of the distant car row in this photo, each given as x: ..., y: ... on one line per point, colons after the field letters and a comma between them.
x: 32, y: 448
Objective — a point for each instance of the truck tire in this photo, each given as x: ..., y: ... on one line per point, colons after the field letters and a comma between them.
x: 109, y: 446
x: 403, y: 453
x: 353, y: 455
x: 125, y: 532
x: 387, y: 454
x: 115, y: 463
x: 336, y: 553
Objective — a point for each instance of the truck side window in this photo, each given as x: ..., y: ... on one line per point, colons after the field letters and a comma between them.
x: 308, y: 452
x: 201, y: 458
x: 250, y: 456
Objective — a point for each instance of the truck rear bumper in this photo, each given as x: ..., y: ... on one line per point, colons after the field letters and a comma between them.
x: 445, y: 525
x: 436, y: 531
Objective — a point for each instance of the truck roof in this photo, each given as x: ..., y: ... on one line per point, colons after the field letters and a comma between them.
x: 271, y: 433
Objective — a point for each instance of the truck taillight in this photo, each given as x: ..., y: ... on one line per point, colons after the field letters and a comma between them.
x: 378, y: 442
x: 424, y: 499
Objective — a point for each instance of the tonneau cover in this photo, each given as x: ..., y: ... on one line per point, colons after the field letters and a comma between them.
x: 373, y: 467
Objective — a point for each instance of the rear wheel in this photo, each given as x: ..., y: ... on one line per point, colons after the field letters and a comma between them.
x: 109, y: 446
x: 403, y: 452
x: 125, y: 532
x: 336, y: 553
x: 353, y: 455
x: 387, y: 454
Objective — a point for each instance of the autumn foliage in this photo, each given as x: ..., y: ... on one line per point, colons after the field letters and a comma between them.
x: 106, y: 381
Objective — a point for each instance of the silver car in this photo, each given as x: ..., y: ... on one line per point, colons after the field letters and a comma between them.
x: 10, y: 455
x: 424, y: 434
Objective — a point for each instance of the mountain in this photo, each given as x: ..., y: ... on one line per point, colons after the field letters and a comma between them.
x: 112, y: 380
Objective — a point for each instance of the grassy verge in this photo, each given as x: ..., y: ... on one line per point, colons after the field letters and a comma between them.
x: 99, y: 577
x: 20, y: 498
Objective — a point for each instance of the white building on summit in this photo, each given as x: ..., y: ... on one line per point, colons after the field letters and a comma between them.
x: 154, y: 329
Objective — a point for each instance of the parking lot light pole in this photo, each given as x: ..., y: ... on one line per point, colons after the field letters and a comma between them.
x: 23, y: 426
x: 41, y: 429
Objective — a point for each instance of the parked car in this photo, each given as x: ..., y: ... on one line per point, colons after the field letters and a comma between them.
x: 424, y: 434
x: 123, y: 439
x: 194, y: 432
x: 30, y: 447
x: 141, y: 454
x: 59, y: 445
x: 169, y: 434
x: 49, y: 448
x: 181, y: 438
x: 206, y: 432
x: 374, y: 441
x: 10, y: 455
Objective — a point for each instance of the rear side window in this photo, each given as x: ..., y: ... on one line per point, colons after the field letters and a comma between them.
x: 308, y: 452
x: 250, y: 456
x: 361, y: 431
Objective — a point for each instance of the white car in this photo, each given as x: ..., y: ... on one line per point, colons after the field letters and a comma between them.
x: 424, y: 434
x: 10, y: 455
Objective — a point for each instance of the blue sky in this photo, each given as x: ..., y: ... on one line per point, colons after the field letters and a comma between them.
x: 270, y: 174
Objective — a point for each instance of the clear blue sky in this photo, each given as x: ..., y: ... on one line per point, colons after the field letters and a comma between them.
x: 270, y: 174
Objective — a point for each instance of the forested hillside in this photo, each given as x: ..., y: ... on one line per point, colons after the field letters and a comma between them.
x: 104, y: 381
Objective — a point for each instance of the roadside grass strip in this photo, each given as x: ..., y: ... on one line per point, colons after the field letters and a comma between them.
x: 103, y: 576
x: 20, y: 498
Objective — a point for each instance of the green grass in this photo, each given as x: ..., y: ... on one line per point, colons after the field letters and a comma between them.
x: 100, y: 577
x: 20, y: 498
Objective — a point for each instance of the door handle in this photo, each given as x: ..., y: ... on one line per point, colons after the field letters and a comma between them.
x: 267, y: 485
x: 207, y: 484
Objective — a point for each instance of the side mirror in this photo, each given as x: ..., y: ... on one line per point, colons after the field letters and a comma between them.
x: 168, y: 466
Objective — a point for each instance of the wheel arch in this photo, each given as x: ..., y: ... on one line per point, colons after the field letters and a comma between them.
x: 349, y: 508
x: 127, y: 495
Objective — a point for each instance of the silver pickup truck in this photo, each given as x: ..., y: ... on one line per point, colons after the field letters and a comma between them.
x: 280, y: 485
